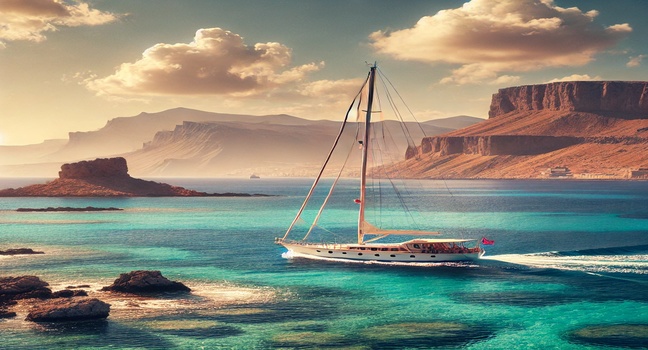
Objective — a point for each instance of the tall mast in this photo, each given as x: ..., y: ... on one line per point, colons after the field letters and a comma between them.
x: 365, y: 153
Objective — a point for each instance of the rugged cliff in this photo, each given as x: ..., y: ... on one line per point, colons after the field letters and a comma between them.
x: 623, y: 99
x: 597, y: 129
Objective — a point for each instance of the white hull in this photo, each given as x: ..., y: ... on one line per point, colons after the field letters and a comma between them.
x: 377, y: 252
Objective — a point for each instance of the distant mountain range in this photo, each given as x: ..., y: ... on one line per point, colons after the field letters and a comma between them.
x: 187, y: 142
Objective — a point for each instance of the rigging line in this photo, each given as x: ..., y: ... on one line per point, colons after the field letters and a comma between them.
x: 403, y: 101
x: 328, y: 157
x: 397, y: 191
x: 330, y: 193
x: 398, y: 114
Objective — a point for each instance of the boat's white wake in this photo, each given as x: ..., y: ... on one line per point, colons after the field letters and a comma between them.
x: 637, y: 264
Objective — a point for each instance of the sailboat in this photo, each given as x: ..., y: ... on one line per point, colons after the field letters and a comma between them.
x: 418, y: 249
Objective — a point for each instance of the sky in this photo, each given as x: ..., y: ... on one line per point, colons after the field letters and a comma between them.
x: 72, y: 65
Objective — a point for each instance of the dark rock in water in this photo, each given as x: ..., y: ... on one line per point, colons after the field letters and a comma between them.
x: 66, y: 293
x: 145, y: 282
x: 79, y: 286
x: 69, y: 310
x: 7, y: 314
x: 18, y: 251
x: 23, y: 287
x: 48, y: 209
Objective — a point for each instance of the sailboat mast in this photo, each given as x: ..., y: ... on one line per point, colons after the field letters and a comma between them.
x: 365, y: 154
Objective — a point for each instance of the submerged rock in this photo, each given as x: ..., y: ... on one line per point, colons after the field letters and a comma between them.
x: 56, y: 310
x: 18, y: 251
x: 634, y: 336
x: 143, y: 281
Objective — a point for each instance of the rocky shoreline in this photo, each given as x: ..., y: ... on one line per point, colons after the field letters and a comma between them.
x: 73, y: 303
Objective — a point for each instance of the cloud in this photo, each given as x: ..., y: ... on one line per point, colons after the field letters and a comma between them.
x: 488, y: 37
x: 575, y: 77
x: 217, y: 62
x: 635, y: 61
x: 29, y: 20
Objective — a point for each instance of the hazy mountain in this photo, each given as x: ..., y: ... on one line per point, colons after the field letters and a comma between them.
x: 240, y: 148
x: 186, y: 142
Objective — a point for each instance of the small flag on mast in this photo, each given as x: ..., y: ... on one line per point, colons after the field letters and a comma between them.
x: 486, y: 241
x: 357, y: 201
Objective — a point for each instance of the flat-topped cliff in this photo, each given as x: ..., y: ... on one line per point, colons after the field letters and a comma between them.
x: 626, y: 99
x: 597, y: 129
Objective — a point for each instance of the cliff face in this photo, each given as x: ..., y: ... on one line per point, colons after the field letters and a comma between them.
x: 102, y: 167
x: 626, y: 99
x: 594, y: 128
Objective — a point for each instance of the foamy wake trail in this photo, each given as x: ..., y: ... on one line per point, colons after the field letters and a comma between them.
x: 636, y: 264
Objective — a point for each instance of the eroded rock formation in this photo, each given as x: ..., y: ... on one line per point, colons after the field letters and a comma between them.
x: 625, y: 99
x: 69, y: 310
x: 145, y: 282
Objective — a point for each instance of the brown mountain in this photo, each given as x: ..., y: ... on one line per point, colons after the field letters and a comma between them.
x: 595, y: 129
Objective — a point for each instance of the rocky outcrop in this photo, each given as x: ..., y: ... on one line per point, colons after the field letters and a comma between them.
x: 69, y: 310
x: 625, y: 99
x: 23, y: 287
x: 104, y: 178
x: 101, y: 167
x: 145, y: 282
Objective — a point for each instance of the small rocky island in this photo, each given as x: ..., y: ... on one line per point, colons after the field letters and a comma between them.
x: 105, y: 177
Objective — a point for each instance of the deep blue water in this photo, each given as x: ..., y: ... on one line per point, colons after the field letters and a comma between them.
x: 569, y: 269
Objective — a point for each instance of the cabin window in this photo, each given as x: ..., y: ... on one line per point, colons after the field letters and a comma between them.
x: 412, y: 256
x: 393, y: 256
x: 319, y: 251
x: 417, y: 246
x: 377, y: 254
x: 343, y: 252
x: 359, y: 253
x: 330, y: 252
x: 394, y: 249
x: 373, y: 249
x: 385, y: 249
x: 432, y: 256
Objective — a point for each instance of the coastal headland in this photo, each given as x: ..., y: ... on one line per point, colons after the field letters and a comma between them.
x: 577, y: 130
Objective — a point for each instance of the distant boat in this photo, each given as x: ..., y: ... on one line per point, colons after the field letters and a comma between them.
x: 254, y: 176
x: 415, y: 250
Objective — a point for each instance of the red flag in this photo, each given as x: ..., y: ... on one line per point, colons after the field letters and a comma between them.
x: 485, y: 241
x: 357, y: 201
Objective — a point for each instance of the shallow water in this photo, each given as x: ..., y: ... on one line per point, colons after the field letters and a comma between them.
x: 569, y: 257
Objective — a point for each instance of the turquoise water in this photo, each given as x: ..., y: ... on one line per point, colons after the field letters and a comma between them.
x: 569, y: 257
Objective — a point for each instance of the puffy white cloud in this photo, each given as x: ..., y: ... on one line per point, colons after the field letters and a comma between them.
x: 216, y: 62
x: 31, y: 19
x: 488, y: 37
x: 575, y: 77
